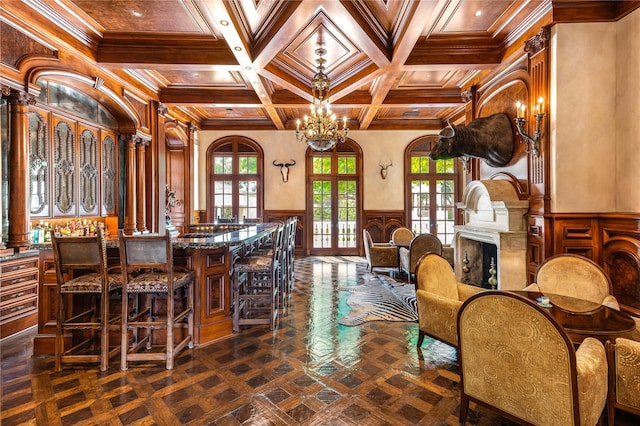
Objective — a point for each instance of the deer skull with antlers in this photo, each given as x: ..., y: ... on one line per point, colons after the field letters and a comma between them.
x: 284, y: 169
x: 383, y: 169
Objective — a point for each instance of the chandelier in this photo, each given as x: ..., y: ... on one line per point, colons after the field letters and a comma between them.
x: 320, y: 129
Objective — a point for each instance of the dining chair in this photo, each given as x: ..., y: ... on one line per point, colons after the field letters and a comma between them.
x: 379, y: 255
x: 439, y: 297
x: 81, y: 273
x: 624, y: 377
x: 401, y: 237
x: 157, y: 299
x: 517, y: 360
x: 576, y: 276
x: 227, y: 219
x: 420, y: 245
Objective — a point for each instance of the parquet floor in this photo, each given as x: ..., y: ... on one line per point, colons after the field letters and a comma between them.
x: 309, y: 371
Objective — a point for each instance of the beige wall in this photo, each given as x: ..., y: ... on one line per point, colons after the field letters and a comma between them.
x: 594, y: 116
x: 282, y: 146
x: 628, y: 114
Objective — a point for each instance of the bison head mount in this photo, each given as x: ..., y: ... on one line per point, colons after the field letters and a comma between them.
x: 489, y: 138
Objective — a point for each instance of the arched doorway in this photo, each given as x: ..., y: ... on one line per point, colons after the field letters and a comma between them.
x: 334, y: 199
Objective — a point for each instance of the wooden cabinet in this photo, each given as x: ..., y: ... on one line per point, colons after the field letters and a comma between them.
x: 18, y: 293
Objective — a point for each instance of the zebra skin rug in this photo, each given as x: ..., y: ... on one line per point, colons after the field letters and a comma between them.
x: 380, y: 298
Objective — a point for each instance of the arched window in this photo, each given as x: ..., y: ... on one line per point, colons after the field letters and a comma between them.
x: 235, y: 179
x: 431, y: 190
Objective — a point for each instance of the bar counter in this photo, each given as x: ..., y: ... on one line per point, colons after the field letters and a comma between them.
x: 210, y: 254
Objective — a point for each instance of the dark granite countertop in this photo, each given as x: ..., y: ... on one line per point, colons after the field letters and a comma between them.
x: 203, y: 241
x: 20, y: 255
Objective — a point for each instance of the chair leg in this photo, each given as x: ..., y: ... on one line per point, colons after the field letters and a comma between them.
x: 421, y: 335
x: 104, y: 333
x: 464, y: 407
x: 124, y: 328
x: 170, y: 329
x: 59, y: 340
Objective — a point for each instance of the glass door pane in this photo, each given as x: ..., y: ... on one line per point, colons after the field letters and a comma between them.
x: 322, y: 214
x: 347, y: 208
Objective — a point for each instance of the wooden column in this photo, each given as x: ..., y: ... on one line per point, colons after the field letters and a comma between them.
x: 141, y: 185
x: 130, y: 185
x: 19, y: 178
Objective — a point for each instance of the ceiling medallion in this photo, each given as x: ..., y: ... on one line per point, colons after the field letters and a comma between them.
x: 320, y: 128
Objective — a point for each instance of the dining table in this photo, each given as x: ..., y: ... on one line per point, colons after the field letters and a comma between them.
x: 582, y: 318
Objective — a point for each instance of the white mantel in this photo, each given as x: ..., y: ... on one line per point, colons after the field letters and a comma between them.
x: 494, y: 214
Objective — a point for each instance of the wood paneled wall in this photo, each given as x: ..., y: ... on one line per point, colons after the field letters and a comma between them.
x: 611, y: 240
x: 381, y: 224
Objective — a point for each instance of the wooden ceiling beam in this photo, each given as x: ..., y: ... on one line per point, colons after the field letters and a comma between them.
x: 565, y: 11
x: 141, y: 51
x: 200, y: 95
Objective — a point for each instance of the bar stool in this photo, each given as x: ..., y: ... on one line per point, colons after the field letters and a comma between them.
x: 256, y: 286
x: 148, y: 276
x: 288, y: 247
x: 84, y: 290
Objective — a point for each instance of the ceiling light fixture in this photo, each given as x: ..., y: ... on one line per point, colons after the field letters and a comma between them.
x: 320, y: 128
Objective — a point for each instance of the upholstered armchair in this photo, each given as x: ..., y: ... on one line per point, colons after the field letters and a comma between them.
x: 515, y: 358
x: 624, y: 377
x: 421, y: 244
x: 439, y: 298
x: 574, y: 276
x: 379, y: 254
x: 401, y: 237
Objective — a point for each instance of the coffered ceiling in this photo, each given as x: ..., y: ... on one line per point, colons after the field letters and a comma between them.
x: 237, y: 64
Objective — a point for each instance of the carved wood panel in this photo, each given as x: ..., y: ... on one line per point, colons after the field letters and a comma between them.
x: 109, y: 174
x: 381, y: 224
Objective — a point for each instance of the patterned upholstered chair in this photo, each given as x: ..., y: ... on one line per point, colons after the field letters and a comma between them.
x: 574, y: 276
x: 148, y: 276
x: 439, y: 298
x: 401, y: 237
x: 515, y: 358
x: 81, y: 271
x: 421, y: 244
x: 624, y: 377
x: 379, y: 255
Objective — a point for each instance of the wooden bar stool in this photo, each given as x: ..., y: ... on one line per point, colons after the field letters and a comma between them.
x: 256, y: 285
x: 149, y: 277
x: 84, y: 289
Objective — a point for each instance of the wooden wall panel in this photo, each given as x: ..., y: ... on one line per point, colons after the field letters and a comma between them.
x: 283, y: 215
x: 381, y: 224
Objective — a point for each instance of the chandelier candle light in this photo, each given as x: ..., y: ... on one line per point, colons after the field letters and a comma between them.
x: 538, y: 112
x: 320, y: 129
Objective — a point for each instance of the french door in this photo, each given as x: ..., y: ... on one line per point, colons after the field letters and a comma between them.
x: 334, y: 201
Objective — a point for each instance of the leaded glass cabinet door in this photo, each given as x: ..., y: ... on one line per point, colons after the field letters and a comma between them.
x: 109, y: 174
x: 64, y: 161
x: 89, y: 173
x: 334, y: 204
x: 38, y: 166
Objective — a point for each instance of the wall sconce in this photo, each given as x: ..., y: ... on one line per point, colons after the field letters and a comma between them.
x: 532, y: 142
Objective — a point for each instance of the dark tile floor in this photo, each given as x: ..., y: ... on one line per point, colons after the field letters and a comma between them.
x: 309, y: 371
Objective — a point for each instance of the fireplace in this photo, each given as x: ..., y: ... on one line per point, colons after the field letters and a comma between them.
x: 494, y: 227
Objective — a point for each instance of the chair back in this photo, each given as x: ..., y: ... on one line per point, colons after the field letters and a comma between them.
x: 402, y: 236
x: 434, y: 275
x: 145, y: 253
x: 227, y: 219
x: 574, y: 276
x: 516, y: 358
x: 367, y: 242
x: 88, y: 254
x: 624, y: 370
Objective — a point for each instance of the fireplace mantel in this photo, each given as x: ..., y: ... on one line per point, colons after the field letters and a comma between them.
x: 494, y: 214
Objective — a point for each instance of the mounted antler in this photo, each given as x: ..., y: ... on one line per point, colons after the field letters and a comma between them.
x: 383, y: 169
x: 284, y: 169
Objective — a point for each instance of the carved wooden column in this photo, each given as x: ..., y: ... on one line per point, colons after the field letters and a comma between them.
x: 141, y: 147
x: 539, y: 227
x: 19, y: 102
x: 130, y: 185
